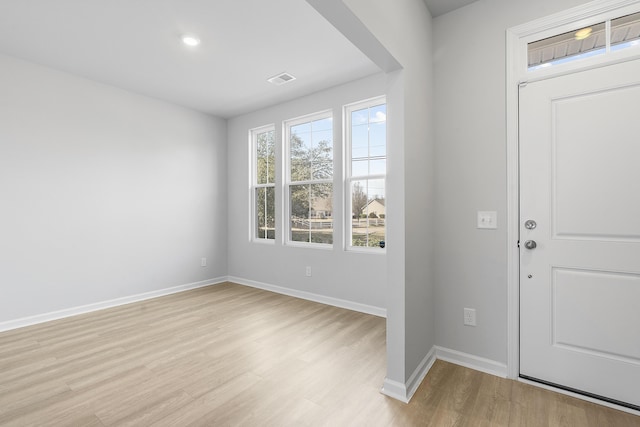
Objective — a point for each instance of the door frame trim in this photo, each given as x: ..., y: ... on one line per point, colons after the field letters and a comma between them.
x: 516, y: 75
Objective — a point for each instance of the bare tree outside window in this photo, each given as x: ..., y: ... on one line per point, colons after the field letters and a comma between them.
x: 366, y: 172
x: 264, y: 183
x: 310, y: 181
x: 358, y: 200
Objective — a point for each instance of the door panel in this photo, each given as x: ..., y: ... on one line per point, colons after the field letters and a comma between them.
x: 580, y: 182
x: 585, y: 137
x: 579, y: 326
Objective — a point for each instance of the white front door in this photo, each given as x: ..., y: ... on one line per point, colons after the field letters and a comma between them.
x: 580, y: 184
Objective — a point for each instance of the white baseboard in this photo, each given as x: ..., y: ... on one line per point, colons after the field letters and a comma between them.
x: 46, y: 317
x: 336, y: 302
x: 467, y: 360
x: 420, y: 372
x: 395, y: 389
x: 404, y: 392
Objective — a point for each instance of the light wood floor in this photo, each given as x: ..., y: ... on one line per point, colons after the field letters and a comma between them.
x: 232, y: 355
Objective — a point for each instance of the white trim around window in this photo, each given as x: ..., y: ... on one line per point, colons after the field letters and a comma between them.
x: 263, y: 184
x: 365, y: 169
x: 308, y: 184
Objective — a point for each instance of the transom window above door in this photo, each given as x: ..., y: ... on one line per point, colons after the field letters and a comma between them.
x: 597, y: 39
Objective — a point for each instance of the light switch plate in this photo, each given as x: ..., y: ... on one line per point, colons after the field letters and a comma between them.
x: 487, y: 219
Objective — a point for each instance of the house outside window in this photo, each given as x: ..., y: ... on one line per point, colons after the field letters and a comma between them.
x: 366, y: 169
x: 309, y: 183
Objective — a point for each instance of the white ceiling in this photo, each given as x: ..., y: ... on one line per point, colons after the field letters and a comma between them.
x: 440, y: 7
x: 135, y: 45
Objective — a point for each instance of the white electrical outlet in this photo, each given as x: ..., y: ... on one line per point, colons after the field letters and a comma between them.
x: 470, y: 316
x: 203, y: 262
x: 308, y: 271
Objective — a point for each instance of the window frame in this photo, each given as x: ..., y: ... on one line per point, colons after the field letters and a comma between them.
x: 253, y: 144
x: 349, y: 178
x: 519, y: 38
x: 288, y: 183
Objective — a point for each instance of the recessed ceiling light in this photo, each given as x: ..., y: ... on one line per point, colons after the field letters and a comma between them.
x: 190, y: 40
x: 583, y: 33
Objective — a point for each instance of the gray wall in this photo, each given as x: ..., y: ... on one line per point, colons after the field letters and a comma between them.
x: 350, y: 276
x: 404, y: 28
x: 105, y: 194
x: 471, y: 169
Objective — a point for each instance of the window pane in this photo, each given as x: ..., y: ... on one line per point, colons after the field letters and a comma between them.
x: 299, y: 204
x: 322, y: 155
x: 322, y: 136
x: 271, y: 157
x: 265, y: 213
x: 311, y: 150
x: 358, y: 198
x: 261, y: 156
x: 360, y: 168
x: 625, y: 32
x: 301, y: 128
x: 360, y: 141
x: 359, y: 117
x: 368, y: 138
x: 300, y: 151
x: 311, y: 213
x: 375, y: 189
x: 265, y: 158
x: 323, y: 166
x: 378, y: 139
x: 582, y: 43
x: 322, y: 124
x: 368, y: 213
x: 311, y: 160
x: 378, y: 166
x: 321, y: 213
x: 378, y: 113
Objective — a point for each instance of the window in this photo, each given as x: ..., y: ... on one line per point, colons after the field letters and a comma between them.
x: 263, y: 188
x: 596, y: 39
x: 366, y: 169
x: 309, y: 186
x: 625, y: 32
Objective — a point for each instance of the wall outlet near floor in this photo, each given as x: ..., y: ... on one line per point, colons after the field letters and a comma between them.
x: 307, y: 271
x: 203, y: 262
x: 470, y: 316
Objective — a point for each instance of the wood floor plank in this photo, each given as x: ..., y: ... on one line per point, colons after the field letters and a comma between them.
x: 234, y: 355
x: 209, y: 404
x: 145, y: 411
x: 17, y: 398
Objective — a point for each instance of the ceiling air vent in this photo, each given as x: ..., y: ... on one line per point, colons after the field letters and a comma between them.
x: 281, y: 79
